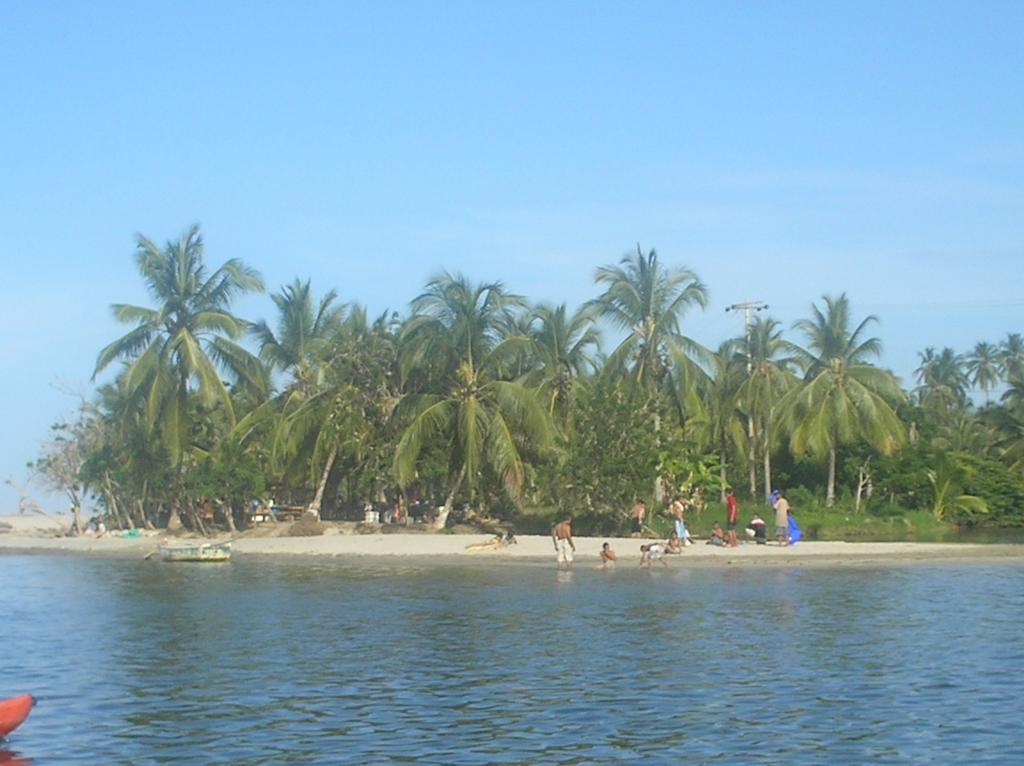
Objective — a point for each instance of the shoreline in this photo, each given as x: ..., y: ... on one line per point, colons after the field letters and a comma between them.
x: 451, y: 548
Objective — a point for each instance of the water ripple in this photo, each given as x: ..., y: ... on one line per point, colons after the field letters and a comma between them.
x: 267, y: 661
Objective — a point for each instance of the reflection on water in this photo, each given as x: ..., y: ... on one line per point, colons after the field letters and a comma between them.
x: 267, y: 661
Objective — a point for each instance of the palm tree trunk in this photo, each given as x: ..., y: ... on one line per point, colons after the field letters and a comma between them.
x: 442, y: 517
x: 229, y: 516
x: 830, y: 498
x: 314, y: 506
x: 752, y: 457
x: 767, y: 459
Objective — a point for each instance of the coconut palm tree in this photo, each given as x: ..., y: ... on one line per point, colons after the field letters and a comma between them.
x: 341, y: 394
x: 483, y: 421
x: 1012, y: 356
x: 648, y: 301
x: 719, y: 421
x: 772, y: 361
x: 305, y: 328
x: 180, y: 348
x: 563, y: 348
x: 843, y: 398
x: 985, y: 367
x: 942, y: 382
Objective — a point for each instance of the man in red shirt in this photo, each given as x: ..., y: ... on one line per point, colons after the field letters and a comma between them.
x: 732, y: 515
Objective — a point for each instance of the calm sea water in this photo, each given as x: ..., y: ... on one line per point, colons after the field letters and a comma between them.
x: 265, y: 661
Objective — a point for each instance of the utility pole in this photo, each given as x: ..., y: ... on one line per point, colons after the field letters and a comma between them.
x: 748, y: 307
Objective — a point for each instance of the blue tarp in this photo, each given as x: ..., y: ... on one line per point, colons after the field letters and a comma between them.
x: 795, y: 533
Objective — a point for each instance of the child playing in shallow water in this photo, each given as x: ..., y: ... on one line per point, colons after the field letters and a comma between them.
x: 607, y: 556
x: 651, y: 553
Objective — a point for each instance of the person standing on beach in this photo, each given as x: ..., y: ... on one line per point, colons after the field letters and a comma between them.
x: 561, y: 536
x: 781, y: 506
x: 636, y: 518
x: 732, y: 516
x: 678, y: 511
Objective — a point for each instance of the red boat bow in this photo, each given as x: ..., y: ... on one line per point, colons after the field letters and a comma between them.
x: 14, y: 711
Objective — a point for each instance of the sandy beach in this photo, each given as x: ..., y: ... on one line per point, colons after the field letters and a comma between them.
x: 40, y: 534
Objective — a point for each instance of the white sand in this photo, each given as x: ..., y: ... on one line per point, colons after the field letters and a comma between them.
x: 29, y: 533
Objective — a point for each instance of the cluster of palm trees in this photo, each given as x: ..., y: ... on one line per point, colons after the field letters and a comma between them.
x: 946, y: 380
x: 479, y: 396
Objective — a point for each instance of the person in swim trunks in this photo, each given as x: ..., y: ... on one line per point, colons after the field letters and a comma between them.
x: 561, y: 536
x: 636, y: 518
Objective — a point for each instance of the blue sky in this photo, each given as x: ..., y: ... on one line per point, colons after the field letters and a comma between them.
x: 781, y: 150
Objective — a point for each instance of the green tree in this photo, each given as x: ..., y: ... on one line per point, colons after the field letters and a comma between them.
x: 1011, y: 352
x: 719, y: 424
x: 648, y: 301
x: 563, y: 348
x: 942, y: 382
x: 179, y: 348
x: 984, y: 367
x: 843, y: 399
x: 772, y: 360
x: 949, y: 503
x: 305, y: 329
x: 482, y: 421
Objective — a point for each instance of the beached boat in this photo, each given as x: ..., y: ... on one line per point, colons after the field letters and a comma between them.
x: 14, y: 711
x: 198, y: 552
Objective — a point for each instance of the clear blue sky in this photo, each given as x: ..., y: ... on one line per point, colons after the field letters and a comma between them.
x: 782, y: 150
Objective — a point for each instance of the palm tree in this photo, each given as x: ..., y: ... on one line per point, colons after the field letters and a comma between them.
x: 942, y: 382
x: 483, y: 422
x: 718, y: 420
x: 772, y: 360
x: 844, y: 399
x: 304, y: 331
x: 948, y: 500
x: 563, y: 347
x: 985, y: 367
x: 648, y: 301
x: 178, y: 349
x: 303, y: 414
x: 1012, y: 356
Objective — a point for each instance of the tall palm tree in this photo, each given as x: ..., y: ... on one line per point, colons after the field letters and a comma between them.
x: 648, y: 300
x: 985, y: 367
x: 305, y: 328
x: 1012, y: 356
x: 718, y: 421
x: 942, y: 381
x: 844, y: 399
x: 772, y: 361
x: 180, y: 347
x: 305, y: 414
x: 482, y: 420
x: 563, y: 348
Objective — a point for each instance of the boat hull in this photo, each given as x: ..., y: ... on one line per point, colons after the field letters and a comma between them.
x: 14, y: 711
x: 207, y: 552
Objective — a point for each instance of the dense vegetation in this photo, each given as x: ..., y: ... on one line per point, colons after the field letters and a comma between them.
x: 478, y: 398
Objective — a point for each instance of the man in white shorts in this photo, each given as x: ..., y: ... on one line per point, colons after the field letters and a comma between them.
x: 561, y: 536
x: 651, y: 553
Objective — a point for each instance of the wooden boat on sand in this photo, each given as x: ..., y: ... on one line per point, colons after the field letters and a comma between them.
x: 198, y: 552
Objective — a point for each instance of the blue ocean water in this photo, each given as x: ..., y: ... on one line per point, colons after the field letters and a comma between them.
x: 268, y: 661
